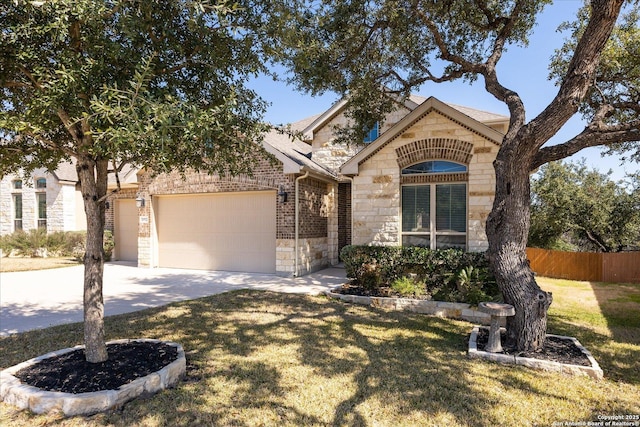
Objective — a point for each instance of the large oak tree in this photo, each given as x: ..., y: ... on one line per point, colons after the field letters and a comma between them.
x: 370, y: 49
x: 158, y: 84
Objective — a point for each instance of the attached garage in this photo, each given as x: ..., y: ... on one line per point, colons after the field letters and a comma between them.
x: 221, y: 231
x: 126, y: 230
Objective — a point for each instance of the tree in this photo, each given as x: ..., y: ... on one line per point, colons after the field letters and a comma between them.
x: 370, y: 50
x: 156, y: 84
x: 573, y: 207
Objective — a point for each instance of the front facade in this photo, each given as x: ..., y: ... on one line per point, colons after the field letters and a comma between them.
x: 51, y: 201
x: 425, y: 177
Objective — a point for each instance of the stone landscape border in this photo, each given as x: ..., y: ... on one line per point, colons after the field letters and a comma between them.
x: 451, y: 310
x: 14, y: 392
x: 594, y: 371
x: 471, y: 314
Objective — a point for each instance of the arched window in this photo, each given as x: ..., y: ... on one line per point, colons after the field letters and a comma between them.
x: 41, y: 183
x: 434, y: 214
x: 434, y: 166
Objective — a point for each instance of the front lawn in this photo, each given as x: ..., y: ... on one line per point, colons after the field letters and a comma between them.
x: 261, y: 358
x: 28, y: 264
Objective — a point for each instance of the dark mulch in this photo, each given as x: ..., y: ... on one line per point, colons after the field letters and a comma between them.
x: 555, y: 350
x: 71, y: 373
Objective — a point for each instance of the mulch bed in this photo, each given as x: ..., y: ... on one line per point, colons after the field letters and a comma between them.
x: 71, y: 373
x: 555, y: 349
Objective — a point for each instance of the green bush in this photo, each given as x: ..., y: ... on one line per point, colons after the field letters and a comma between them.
x: 448, y: 274
x: 70, y: 243
x: 409, y: 287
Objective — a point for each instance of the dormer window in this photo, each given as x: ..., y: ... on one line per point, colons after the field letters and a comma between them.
x: 372, y: 134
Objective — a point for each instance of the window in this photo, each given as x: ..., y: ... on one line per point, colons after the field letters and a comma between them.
x: 372, y: 134
x: 17, y: 184
x: 17, y: 212
x: 434, y: 215
x: 41, y: 199
x: 41, y: 183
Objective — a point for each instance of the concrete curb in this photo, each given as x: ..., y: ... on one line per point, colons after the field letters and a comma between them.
x: 593, y: 371
x: 14, y: 392
x: 450, y: 310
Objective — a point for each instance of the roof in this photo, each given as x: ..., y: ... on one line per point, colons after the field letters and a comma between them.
x: 351, y: 166
x: 295, y: 155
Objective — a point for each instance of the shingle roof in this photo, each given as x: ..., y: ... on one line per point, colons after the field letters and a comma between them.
x: 294, y: 150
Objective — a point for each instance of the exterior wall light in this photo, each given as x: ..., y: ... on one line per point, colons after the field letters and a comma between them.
x: 140, y: 202
x: 282, y: 195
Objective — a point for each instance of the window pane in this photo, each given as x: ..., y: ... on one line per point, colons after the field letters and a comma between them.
x: 372, y: 135
x: 42, y: 206
x: 451, y: 207
x: 416, y: 201
x: 17, y: 184
x: 434, y: 166
x: 451, y: 242
x: 41, y: 183
x: 17, y: 204
x: 416, y: 240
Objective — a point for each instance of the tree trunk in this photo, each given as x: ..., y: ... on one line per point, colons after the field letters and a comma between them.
x: 93, y: 184
x: 507, y: 232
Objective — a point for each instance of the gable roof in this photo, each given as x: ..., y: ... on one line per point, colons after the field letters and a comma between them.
x: 294, y: 154
x: 311, y: 124
x: 350, y: 167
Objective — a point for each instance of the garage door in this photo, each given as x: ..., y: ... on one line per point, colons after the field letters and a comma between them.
x: 126, y: 231
x: 227, y: 231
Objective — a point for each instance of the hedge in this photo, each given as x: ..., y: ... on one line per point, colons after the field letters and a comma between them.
x: 446, y: 274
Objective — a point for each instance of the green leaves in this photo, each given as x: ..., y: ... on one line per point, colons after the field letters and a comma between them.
x: 154, y: 83
x: 574, y: 208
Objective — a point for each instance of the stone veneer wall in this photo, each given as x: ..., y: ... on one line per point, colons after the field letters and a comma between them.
x: 61, y: 203
x: 376, y: 189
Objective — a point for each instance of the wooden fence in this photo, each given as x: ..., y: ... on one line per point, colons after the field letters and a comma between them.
x: 623, y: 267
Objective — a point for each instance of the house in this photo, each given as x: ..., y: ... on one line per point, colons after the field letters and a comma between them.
x: 425, y: 177
x: 42, y: 200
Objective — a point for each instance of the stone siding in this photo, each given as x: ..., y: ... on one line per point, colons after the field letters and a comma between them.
x: 376, y: 189
x: 61, y: 203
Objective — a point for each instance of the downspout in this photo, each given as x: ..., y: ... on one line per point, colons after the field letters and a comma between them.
x: 297, y: 226
x: 350, y: 178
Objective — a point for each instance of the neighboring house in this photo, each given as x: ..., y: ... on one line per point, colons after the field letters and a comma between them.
x: 42, y: 200
x: 424, y: 178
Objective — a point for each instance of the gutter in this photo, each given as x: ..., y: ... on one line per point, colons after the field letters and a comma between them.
x: 297, y: 225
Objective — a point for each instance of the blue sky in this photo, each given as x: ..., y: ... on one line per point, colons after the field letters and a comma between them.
x: 524, y: 70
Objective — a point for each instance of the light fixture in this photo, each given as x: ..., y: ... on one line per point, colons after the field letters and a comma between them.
x: 282, y: 194
x: 140, y: 202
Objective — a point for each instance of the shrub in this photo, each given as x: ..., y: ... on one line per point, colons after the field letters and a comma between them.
x: 70, y: 243
x: 28, y: 243
x: 408, y: 286
x: 447, y: 274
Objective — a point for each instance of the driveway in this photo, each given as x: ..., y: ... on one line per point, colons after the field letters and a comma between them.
x: 43, y: 298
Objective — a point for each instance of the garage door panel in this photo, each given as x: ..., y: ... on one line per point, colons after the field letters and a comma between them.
x: 126, y: 230
x: 230, y: 231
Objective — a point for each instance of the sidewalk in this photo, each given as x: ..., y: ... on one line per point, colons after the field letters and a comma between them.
x: 43, y: 298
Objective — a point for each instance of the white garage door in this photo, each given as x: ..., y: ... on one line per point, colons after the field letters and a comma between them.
x: 126, y: 230
x: 227, y: 231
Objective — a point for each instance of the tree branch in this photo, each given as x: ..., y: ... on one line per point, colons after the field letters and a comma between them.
x: 592, y: 136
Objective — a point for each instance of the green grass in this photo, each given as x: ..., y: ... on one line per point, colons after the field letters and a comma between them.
x: 260, y: 358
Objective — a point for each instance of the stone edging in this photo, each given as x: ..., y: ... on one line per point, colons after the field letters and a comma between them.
x: 593, y: 371
x: 451, y: 310
x: 24, y: 396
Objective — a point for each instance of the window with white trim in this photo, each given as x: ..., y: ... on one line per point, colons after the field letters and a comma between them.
x: 434, y: 214
x: 17, y: 212
x: 41, y: 199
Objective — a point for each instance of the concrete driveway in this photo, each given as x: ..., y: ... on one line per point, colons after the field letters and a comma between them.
x: 38, y: 299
